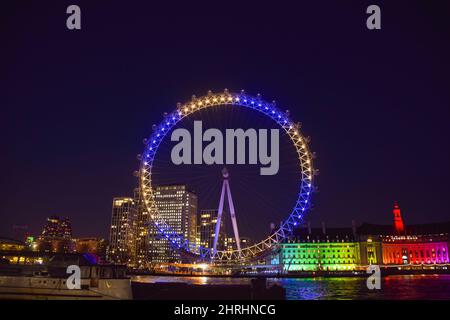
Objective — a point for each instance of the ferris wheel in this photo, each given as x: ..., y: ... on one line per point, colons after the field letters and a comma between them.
x: 304, y: 166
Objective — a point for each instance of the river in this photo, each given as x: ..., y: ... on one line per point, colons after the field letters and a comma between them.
x: 402, y: 287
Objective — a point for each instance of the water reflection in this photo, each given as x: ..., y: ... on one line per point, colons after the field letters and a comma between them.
x: 392, y: 287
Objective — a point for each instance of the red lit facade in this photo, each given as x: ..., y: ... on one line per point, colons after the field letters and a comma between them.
x: 414, y: 250
x: 407, y: 245
x: 413, y: 246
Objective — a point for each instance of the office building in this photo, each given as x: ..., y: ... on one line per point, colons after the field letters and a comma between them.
x: 143, y: 226
x: 207, y: 222
x: 178, y: 207
x: 122, y: 242
x: 56, y: 236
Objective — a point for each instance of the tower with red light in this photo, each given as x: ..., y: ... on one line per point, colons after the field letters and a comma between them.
x: 398, y: 221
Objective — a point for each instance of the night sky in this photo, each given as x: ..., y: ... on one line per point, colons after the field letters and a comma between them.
x: 75, y: 105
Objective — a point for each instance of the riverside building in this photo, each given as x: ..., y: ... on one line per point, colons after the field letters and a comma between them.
x: 400, y: 246
x: 314, y: 249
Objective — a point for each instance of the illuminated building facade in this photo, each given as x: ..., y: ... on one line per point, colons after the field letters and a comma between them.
x: 415, y: 250
x: 178, y: 207
x: 15, y: 252
x: 320, y: 249
x: 95, y: 247
x: 91, y: 245
x: 56, y: 236
x: 207, y: 228
x: 31, y: 243
x: 7, y: 244
x: 340, y: 249
x: 57, y: 227
x: 122, y: 233
x: 230, y: 243
x: 143, y: 223
x: 369, y: 250
x: 414, y: 245
x: 56, y: 245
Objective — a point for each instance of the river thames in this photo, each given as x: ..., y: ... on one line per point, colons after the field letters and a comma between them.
x: 396, y: 287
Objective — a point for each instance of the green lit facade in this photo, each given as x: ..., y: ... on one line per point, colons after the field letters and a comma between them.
x: 315, y: 256
x: 318, y: 250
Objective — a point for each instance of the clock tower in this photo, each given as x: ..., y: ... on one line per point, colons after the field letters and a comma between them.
x: 398, y: 221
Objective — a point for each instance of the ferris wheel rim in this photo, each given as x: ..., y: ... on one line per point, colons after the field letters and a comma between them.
x: 242, y: 99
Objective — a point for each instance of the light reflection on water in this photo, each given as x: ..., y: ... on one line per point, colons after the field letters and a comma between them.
x: 402, y: 287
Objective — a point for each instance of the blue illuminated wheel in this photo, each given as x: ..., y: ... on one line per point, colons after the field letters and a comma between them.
x: 226, y: 98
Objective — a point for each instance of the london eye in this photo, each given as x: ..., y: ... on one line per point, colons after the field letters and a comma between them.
x: 304, y: 165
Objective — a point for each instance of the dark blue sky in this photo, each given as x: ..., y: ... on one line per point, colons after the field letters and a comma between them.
x: 75, y: 105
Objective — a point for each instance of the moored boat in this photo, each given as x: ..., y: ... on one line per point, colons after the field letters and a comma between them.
x: 49, y: 279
